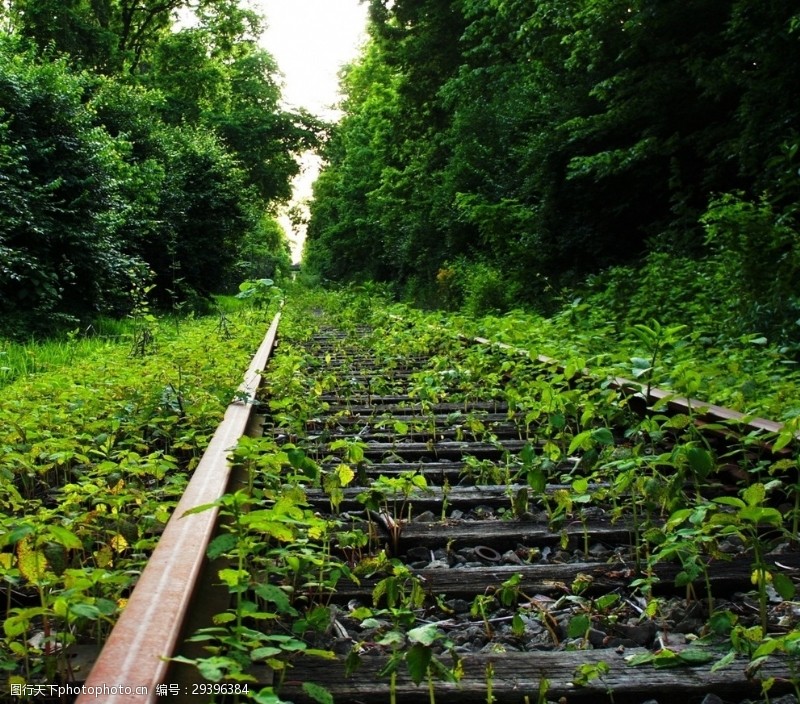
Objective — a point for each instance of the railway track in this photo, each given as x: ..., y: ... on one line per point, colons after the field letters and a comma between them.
x: 458, y: 523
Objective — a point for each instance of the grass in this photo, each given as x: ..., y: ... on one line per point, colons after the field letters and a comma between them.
x: 229, y: 304
x: 97, y: 445
x: 19, y: 360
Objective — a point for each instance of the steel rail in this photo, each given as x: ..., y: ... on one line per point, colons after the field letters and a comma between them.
x: 149, y: 628
x: 678, y: 404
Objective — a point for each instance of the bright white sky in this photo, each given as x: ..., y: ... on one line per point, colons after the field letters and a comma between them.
x: 311, y: 40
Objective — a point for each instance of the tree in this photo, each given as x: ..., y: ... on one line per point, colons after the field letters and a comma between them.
x: 550, y: 140
x: 104, y: 35
x: 61, y: 257
x: 143, y: 145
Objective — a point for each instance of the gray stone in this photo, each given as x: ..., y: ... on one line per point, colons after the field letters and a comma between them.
x: 598, y: 550
x: 597, y: 637
x: 511, y: 558
x: 639, y: 633
x: 458, y: 605
x: 418, y: 553
x: 425, y: 517
x: 712, y: 699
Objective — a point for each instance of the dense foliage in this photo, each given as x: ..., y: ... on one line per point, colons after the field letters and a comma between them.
x: 495, y: 152
x: 97, y: 445
x: 134, y: 150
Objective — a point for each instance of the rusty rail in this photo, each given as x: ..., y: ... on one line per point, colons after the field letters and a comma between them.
x: 147, y: 632
x: 679, y: 404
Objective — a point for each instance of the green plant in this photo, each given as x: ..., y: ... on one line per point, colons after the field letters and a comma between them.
x: 480, y: 607
x: 483, y: 472
x: 260, y: 293
x: 746, y: 517
x: 490, y: 699
x: 787, y: 645
x: 141, y: 315
x: 391, y: 496
x: 693, y: 545
x: 588, y: 672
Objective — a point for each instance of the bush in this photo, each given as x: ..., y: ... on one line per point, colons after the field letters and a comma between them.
x: 61, y: 258
x: 757, y: 253
x: 477, y: 287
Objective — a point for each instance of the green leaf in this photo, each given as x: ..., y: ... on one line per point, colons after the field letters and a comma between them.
x: 695, y: 656
x: 224, y: 617
x: 394, y: 639
x: 83, y: 610
x: 318, y: 693
x: 296, y: 457
x: 679, y: 421
x: 220, y: 545
x: 65, y: 537
x: 200, y: 509
x: 724, y: 661
x: 213, y: 668
x: 721, y: 622
x: 784, y: 438
x: 276, y: 595
x: 527, y: 454
x: 784, y: 586
x: 318, y: 653
x: 729, y: 501
x: 345, y: 474
x: 418, y: 658
x: 760, y: 516
x: 233, y: 577
x: 666, y: 658
x: 578, y: 625
x: 641, y: 366
x: 700, y: 461
x: 400, y: 427
x: 32, y: 563
x: 580, y: 441
x: 18, y: 534
x: 267, y: 696
x: 640, y: 659
x: 603, y: 436
x: 537, y: 480
x: 425, y: 635
x: 677, y: 518
x: 606, y: 601
x: 767, y: 647
x: 352, y: 662
x: 14, y: 626
x: 755, y: 494
x: 580, y: 485
x: 267, y: 651
x: 274, y: 529
x: 518, y: 625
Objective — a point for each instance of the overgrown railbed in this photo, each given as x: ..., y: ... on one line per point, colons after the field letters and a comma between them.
x: 95, y: 454
x: 425, y: 517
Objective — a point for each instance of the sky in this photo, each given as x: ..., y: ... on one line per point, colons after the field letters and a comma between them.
x: 311, y: 40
